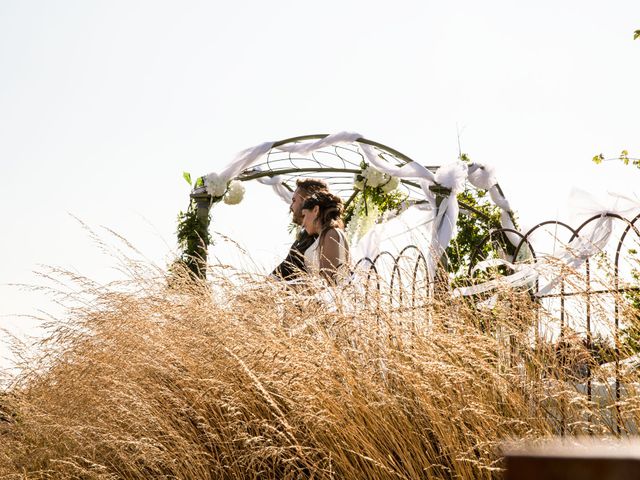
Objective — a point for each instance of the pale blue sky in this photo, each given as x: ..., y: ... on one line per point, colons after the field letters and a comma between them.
x: 104, y: 104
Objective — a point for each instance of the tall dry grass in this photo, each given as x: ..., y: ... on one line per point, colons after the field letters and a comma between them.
x: 227, y: 379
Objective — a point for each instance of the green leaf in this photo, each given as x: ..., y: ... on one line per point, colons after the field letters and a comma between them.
x: 598, y: 159
x: 187, y: 177
x: 199, y: 182
x: 636, y: 34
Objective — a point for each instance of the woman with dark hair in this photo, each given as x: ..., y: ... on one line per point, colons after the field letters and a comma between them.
x: 293, y: 266
x: 328, y: 256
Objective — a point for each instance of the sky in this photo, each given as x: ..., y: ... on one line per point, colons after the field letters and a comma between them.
x: 103, y: 105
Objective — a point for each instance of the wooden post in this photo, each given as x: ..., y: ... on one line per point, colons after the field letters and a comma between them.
x: 203, y: 205
x: 575, y: 459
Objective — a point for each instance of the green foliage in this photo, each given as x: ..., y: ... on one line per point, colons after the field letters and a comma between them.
x: 479, y: 216
x: 471, y: 230
x: 193, y: 238
x: 636, y: 34
x: 193, y: 233
x: 623, y: 157
x: 602, y: 350
x: 384, y: 201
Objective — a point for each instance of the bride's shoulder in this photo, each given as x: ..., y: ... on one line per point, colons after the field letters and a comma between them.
x: 335, y: 235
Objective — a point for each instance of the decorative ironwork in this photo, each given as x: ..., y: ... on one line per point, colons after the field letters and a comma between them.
x: 337, y: 165
x: 399, y: 279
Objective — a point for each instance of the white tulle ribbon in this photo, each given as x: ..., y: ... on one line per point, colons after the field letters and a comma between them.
x: 572, y: 256
x: 492, y: 263
x: 451, y: 176
x: 482, y: 176
x: 410, y: 170
x: 409, y: 227
x: 277, y: 183
x: 245, y: 159
x: 249, y: 157
x: 578, y: 251
x: 308, y: 147
x: 584, y: 205
x: 524, y: 275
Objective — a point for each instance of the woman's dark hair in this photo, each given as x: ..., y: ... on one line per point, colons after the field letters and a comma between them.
x: 330, y: 211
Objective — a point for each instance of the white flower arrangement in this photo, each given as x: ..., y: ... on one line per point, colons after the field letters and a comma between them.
x: 391, y: 185
x: 374, y: 178
x: 235, y: 193
x: 216, y: 186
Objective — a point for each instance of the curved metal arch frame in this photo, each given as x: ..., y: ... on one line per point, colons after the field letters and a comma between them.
x: 395, y: 153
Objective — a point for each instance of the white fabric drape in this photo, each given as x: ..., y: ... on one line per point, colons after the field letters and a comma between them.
x: 308, y: 147
x: 249, y: 157
x: 584, y: 205
x: 574, y: 254
x: 412, y: 226
x: 277, y: 184
x: 524, y: 275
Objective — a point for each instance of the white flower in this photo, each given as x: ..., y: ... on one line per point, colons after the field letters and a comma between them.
x: 216, y: 186
x: 391, y: 185
x: 359, y: 184
x: 235, y: 193
x: 363, y: 219
x: 374, y: 178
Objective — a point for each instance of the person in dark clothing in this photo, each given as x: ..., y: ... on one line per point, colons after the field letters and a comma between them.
x: 293, y: 265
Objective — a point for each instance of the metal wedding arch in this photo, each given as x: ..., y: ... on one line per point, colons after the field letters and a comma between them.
x: 337, y: 159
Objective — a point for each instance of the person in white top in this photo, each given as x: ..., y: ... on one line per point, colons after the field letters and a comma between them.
x: 328, y: 256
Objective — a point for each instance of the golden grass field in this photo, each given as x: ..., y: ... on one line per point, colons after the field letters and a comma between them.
x: 163, y: 377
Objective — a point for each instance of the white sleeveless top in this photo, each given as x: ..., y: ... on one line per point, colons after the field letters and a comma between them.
x: 312, y: 254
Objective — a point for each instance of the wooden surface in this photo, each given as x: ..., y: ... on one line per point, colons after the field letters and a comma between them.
x: 573, y: 459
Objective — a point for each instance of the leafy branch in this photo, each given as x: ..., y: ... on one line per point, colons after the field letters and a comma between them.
x: 623, y: 157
